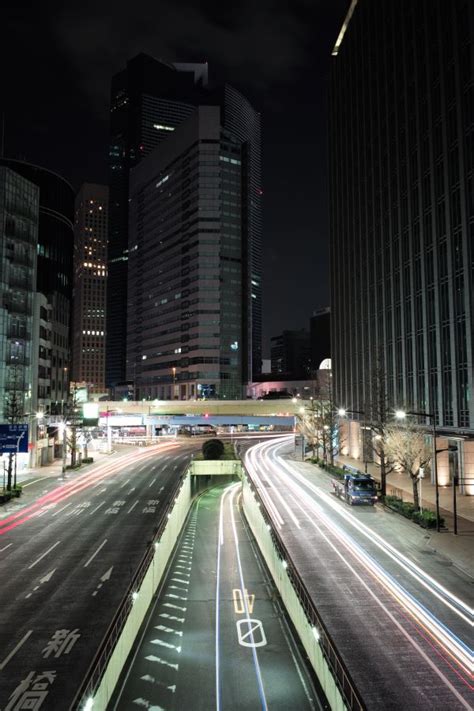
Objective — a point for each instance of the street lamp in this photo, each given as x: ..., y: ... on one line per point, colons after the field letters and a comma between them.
x: 400, y: 415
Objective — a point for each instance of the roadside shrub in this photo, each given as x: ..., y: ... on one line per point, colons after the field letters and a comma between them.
x: 426, y: 518
x: 88, y: 460
x: 405, y: 508
x: 213, y: 449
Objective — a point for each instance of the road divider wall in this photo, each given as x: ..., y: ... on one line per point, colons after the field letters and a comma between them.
x: 329, y: 668
x: 104, y: 672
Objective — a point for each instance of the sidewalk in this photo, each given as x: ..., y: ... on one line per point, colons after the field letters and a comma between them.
x: 458, y: 550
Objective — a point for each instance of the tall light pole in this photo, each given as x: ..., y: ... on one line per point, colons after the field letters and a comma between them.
x: 400, y: 415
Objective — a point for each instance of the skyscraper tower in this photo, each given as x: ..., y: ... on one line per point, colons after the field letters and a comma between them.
x: 402, y: 211
x: 90, y: 279
x: 149, y: 100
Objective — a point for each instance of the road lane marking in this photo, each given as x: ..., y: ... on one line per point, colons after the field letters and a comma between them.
x: 45, y: 579
x: 151, y: 482
x: 252, y: 627
x: 35, y: 481
x: 97, y: 508
x: 178, y: 580
x: 176, y: 597
x: 171, y: 617
x: 152, y: 658
x: 124, y: 484
x: 103, y: 579
x: 169, y: 630
x: 160, y: 643
x: 59, y: 510
x: 5, y: 547
x: 132, y: 506
x: 239, y: 605
x: 174, y: 607
x: 42, y: 556
x: 94, y: 554
x: 14, y: 651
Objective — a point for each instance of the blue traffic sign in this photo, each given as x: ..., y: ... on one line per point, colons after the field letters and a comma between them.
x: 13, y: 438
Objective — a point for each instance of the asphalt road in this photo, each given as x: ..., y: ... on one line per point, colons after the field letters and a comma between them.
x: 401, y: 619
x: 216, y: 637
x: 66, y: 559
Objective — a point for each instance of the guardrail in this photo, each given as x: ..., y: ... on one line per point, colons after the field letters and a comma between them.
x: 339, y: 671
x: 102, y: 657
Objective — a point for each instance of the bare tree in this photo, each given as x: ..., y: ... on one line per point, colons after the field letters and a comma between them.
x: 407, y: 447
x: 379, y: 412
x: 14, y: 414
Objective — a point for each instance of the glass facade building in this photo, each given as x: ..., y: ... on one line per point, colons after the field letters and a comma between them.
x: 19, y: 215
x: 402, y: 207
x: 90, y: 280
x: 54, y: 270
x: 186, y: 265
x: 149, y: 100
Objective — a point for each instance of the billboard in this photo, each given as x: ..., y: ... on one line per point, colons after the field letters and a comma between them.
x: 13, y: 438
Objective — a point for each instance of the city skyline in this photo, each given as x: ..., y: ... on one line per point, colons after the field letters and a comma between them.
x: 295, y: 121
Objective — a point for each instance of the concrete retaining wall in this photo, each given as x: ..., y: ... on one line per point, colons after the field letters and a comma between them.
x: 142, y: 602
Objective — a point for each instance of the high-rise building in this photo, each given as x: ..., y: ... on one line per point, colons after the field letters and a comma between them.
x: 89, y: 288
x: 402, y: 209
x: 290, y: 354
x: 19, y: 215
x: 54, y: 270
x: 149, y: 100
x: 186, y: 285
x: 320, y: 337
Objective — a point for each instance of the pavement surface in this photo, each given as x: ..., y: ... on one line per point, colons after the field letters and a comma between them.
x: 216, y: 637
x: 455, y: 549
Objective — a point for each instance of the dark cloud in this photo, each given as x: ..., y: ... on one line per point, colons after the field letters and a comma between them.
x: 259, y: 44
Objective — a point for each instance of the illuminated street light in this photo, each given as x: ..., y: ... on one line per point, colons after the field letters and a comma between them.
x: 401, y: 414
x: 341, y: 412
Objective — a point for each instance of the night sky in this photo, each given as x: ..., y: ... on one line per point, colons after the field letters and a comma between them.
x: 57, y: 62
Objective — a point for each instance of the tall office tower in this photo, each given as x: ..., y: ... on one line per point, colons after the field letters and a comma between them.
x: 402, y: 207
x: 320, y: 336
x: 89, y: 287
x: 186, y: 285
x: 149, y: 100
x: 54, y: 269
x: 290, y: 354
x: 19, y: 214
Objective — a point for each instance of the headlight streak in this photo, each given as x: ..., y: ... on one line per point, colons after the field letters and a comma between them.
x: 430, y: 584
x: 452, y: 645
x: 244, y: 597
x: 84, y: 481
x: 252, y: 468
x: 390, y: 614
x: 220, y: 543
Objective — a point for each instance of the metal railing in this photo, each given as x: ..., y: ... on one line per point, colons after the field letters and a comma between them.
x: 336, y: 664
x: 98, y: 666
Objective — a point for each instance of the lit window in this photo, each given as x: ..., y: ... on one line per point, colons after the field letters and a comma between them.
x: 162, y: 127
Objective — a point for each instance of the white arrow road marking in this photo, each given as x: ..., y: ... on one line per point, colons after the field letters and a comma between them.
x: 132, y: 506
x: 14, y: 651
x: 171, y: 617
x: 174, y: 607
x: 152, y: 658
x: 42, y: 556
x: 103, y: 579
x: 94, y: 554
x: 170, y: 630
x: 42, y: 580
x: 160, y: 643
x: 5, y: 547
x: 250, y: 627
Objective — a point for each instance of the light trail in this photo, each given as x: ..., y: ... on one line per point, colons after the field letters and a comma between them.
x: 84, y: 481
x: 265, y: 456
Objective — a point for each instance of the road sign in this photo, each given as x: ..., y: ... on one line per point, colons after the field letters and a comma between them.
x: 13, y: 438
